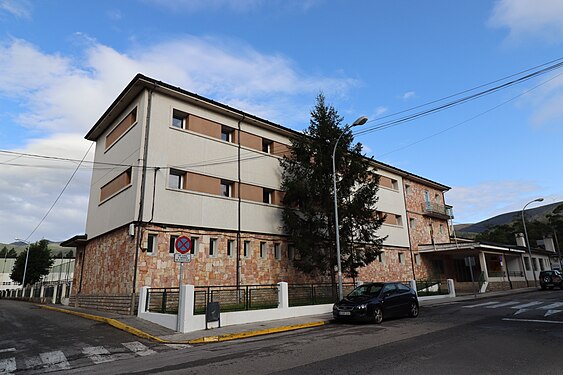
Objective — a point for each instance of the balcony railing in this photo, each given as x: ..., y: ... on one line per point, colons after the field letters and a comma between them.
x: 437, y: 210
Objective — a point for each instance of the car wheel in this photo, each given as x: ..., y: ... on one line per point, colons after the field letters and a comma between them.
x: 547, y: 279
x: 413, y: 310
x: 377, y: 315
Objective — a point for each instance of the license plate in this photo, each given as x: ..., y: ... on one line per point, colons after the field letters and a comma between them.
x: 344, y: 313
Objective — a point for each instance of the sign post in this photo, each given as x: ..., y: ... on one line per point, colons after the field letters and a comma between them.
x: 183, y: 245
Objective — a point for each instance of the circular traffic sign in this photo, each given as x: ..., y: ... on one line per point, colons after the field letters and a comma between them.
x: 183, y: 244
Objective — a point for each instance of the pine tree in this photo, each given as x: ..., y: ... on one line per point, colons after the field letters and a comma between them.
x: 308, y: 214
x: 38, y: 263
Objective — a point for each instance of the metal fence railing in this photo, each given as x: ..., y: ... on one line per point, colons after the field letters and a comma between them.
x: 163, y: 300
x: 231, y: 298
x: 431, y: 287
x: 316, y: 294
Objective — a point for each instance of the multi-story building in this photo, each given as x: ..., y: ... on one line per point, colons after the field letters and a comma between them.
x: 171, y: 163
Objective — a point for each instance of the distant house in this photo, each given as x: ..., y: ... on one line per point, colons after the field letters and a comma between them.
x: 170, y: 163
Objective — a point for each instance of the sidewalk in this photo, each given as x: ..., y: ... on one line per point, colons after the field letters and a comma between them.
x: 148, y: 330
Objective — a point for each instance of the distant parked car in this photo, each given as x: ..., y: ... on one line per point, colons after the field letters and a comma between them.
x: 376, y: 301
x: 550, y: 279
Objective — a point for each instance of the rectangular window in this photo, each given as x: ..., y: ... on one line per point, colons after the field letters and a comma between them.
x: 226, y: 188
x: 441, y: 228
x: 535, y: 263
x: 267, y: 195
x: 179, y: 119
x: 401, y: 258
x: 267, y: 145
x: 290, y: 252
x: 527, y: 263
x: 114, y: 186
x: 417, y: 259
x: 171, y: 246
x: 213, y: 247
x: 227, y: 133
x: 542, y: 265
x: 381, y: 257
x: 246, y: 249
x: 399, y: 220
x: 407, y: 189
x: 230, y: 247
x: 394, y: 184
x: 262, y: 250
x: 412, y: 223
x: 176, y: 179
x: 151, y: 243
x: 121, y: 128
x: 277, y: 251
x: 195, y: 245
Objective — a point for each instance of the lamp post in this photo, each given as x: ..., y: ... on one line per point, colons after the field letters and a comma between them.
x: 528, y: 241
x: 26, y: 259
x: 360, y: 121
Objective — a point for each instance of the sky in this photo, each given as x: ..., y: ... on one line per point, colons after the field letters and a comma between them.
x: 62, y: 62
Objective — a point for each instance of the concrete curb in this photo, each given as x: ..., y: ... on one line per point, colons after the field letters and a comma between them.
x: 202, y: 340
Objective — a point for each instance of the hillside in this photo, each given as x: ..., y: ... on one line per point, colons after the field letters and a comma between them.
x: 535, y: 213
x: 20, y: 247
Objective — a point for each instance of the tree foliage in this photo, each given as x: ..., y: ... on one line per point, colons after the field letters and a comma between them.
x: 5, y: 253
x: 38, y: 263
x: 308, y: 214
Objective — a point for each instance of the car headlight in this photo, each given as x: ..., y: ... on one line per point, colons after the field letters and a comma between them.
x: 361, y: 307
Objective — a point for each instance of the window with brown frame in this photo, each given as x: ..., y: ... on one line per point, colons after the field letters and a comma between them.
x: 121, y: 128
x: 117, y: 184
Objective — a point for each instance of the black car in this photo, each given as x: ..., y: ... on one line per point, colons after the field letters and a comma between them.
x: 550, y: 279
x: 374, y: 301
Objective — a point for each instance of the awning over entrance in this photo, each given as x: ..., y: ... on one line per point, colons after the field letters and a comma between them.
x: 464, y: 246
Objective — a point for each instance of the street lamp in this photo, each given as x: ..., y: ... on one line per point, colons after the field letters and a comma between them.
x: 528, y: 241
x: 26, y: 258
x: 360, y: 121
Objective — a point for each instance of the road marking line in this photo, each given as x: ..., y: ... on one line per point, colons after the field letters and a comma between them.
x: 7, y: 350
x: 551, y: 312
x: 481, y: 304
x: 552, y: 306
x: 138, y: 348
x: 533, y: 320
x: 7, y: 365
x: 56, y: 358
x: 98, y: 354
x: 529, y: 304
x: 503, y: 305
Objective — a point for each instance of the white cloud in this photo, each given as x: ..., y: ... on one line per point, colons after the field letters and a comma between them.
x: 408, y: 95
x: 475, y: 203
x: 530, y: 18
x: 379, y: 111
x: 18, y: 8
x: 60, y: 97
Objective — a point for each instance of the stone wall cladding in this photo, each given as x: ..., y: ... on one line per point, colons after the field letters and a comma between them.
x: 108, y: 265
x: 390, y: 269
x: 414, y: 201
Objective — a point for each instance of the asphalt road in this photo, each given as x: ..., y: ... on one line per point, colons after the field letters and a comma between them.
x: 35, y: 340
x: 519, y: 334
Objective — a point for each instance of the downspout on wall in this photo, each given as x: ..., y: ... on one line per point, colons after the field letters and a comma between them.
x: 239, y: 205
x: 138, y: 233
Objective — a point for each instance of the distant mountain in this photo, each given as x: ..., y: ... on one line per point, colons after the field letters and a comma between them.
x: 535, y: 213
x: 55, y: 247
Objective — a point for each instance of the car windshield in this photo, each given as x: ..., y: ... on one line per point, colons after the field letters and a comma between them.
x: 366, y: 290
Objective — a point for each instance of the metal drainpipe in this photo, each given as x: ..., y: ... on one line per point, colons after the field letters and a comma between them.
x: 239, y: 204
x: 141, y: 200
x: 409, y: 233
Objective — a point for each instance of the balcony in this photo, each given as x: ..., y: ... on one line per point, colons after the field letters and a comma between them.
x: 437, y: 211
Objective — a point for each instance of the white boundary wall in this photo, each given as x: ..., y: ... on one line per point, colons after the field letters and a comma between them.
x: 186, y: 321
